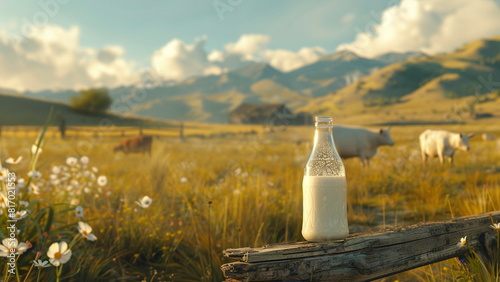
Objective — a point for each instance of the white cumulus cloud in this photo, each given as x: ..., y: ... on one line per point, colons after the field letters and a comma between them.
x: 430, y: 26
x: 238, y: 54
x: 52, y: 58
x: 248, y: 45
x: 286, y: 60
x: 178, y: 60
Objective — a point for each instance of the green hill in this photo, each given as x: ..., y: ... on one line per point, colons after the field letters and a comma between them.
x: 428, y: 88
x: 18, y: 110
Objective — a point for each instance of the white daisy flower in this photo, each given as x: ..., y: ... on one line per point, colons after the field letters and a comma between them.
x: 144, y: 202
x: 84, y: 160
x: 59, y: 253
x: 237, y: 171
x: 71, y: 161
x: 34, y: 189
x: 102, y: 180
x: 79, y: 212
x: 86, y: 231
x: 41, y: 264
x: 8, y: 244
x: 56, y: 169
x: 12, y: 161
x: 18, y: 215
x: 495, y: 226
x: 35, y: 149
x: 3, y: 173
x: 36, y: 175
x: 463, y: 242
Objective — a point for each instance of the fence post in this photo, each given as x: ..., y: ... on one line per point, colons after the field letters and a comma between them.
x: 181, y: 131
x: 62, y: 128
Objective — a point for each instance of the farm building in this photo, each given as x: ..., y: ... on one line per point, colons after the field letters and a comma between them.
x: 272, y: 114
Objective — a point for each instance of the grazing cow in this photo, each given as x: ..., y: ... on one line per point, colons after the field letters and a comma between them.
x: 139, y: 144
x: 360, y: 142
x: 442, y: 143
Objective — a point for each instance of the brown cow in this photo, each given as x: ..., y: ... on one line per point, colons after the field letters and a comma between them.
x: 139, y: 144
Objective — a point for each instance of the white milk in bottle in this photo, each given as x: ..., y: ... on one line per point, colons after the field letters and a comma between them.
x: 325, y: 211
x: 324, y: 188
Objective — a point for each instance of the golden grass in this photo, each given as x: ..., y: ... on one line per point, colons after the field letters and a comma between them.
x: 220, y: 192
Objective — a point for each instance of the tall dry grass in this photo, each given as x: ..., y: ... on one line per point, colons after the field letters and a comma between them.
x: 217, y: 193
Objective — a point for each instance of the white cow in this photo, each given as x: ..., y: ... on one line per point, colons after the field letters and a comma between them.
x: 360, y: 142
x: 442, y: 143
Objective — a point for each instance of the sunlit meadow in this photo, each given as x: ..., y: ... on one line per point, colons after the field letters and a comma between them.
x: 169, y: 215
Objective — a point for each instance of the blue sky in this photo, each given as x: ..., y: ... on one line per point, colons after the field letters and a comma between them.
x: 144, y: 27
x: 109, y: 43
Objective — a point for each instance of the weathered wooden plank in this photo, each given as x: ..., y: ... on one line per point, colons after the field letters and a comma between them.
x: 361, y: 256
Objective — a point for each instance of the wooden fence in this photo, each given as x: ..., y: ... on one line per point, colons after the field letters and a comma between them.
x: 77, y: 131
x: 181, y: 131
x: 365, y: 256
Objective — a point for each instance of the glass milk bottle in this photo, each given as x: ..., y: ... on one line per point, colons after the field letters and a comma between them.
x: 324, y: 188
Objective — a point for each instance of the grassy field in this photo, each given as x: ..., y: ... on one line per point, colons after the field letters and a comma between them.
x: 223, y: 187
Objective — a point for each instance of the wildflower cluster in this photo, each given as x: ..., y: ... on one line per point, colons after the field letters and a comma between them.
x: 474, y: 266
x: 70, y: 182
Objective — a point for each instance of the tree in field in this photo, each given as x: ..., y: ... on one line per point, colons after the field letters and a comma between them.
x: 94, y: 101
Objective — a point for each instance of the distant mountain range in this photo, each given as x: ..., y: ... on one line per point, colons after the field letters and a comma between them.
x: 342, y: 84
x: 441, y: 85
x: 211, y: 98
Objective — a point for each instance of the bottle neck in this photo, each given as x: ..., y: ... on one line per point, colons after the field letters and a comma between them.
x: 323, y: 134
x: 324, y: 159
